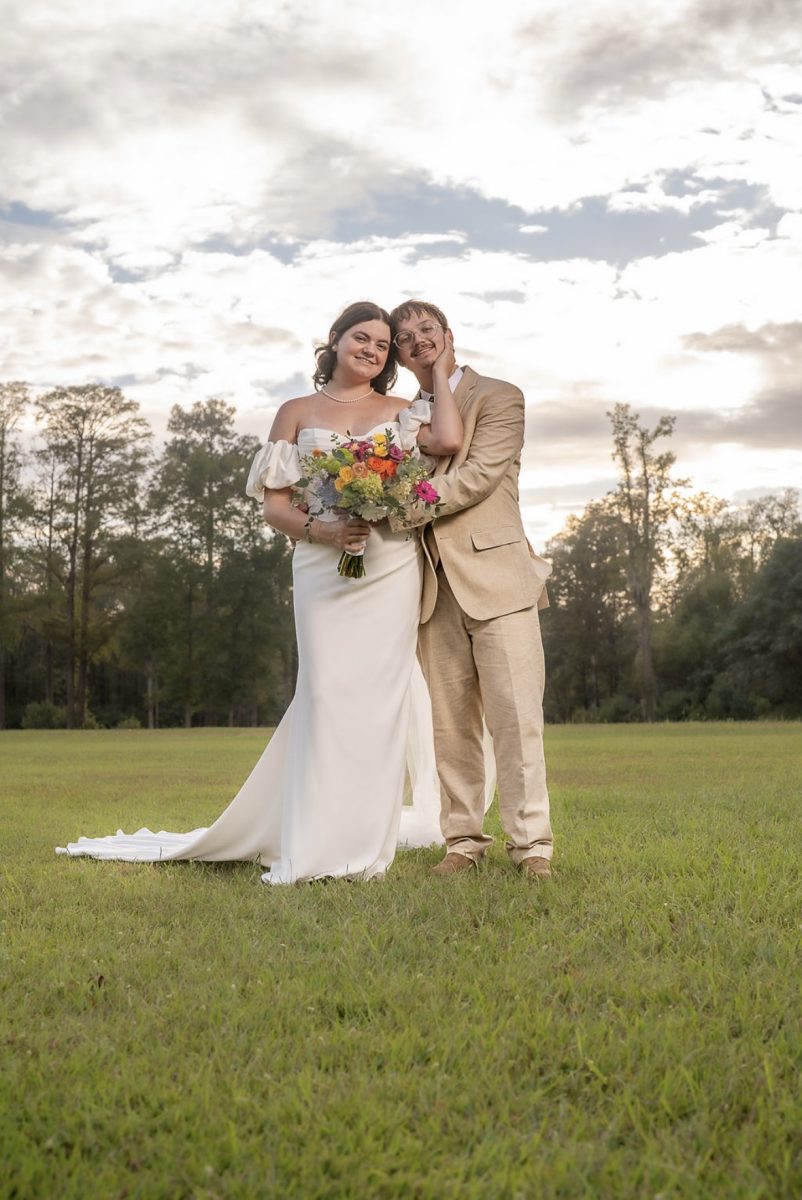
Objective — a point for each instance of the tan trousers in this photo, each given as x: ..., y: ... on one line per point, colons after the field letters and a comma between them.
x: 495, y: 667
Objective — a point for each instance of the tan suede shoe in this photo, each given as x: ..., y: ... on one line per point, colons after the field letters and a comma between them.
x: 535, y: 867
x: 453, y: 864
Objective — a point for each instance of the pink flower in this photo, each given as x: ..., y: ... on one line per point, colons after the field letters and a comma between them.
x: 425, y: 492
x: 397, y: 454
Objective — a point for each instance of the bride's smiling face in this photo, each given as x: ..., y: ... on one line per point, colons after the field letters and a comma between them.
x: 362, y: 350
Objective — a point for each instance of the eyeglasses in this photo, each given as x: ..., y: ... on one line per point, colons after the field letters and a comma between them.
x: 425, y: 332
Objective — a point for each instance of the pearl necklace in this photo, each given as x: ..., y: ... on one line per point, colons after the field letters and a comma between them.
x: 339, y: 400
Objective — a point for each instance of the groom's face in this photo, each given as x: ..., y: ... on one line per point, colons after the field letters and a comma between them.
x: 419, y: 339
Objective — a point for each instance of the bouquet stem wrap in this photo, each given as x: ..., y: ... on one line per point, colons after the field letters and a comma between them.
x: 352, y: 566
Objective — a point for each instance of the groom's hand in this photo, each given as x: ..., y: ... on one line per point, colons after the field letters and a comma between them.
x: 445, y: 363
x: 413, y: 518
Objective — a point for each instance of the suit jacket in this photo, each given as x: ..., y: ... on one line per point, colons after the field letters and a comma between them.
x: 479, y: 535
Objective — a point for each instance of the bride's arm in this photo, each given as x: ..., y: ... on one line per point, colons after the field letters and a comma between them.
x: 279, y: 514
x: 444, y: 435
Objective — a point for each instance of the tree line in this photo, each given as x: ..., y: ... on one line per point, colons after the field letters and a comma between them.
x: 140, y: 587
x: 670, y: 604
x: 136, y: 586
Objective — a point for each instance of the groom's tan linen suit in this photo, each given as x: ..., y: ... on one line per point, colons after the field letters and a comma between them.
x: 479, y: 641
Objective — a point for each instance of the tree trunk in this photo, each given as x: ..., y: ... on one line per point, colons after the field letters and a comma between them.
x: 83, y: 634
x: 647, y: 676
x: 188, y: 680
x: 70, y: 667
x: 149, y: 695
x: 50, y: 690
x: 72, y: 584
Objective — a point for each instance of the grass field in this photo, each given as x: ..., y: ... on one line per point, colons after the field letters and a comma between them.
x: 632, y: 1028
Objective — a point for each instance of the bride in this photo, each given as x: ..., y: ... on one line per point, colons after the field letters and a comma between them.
x: 325, y: 798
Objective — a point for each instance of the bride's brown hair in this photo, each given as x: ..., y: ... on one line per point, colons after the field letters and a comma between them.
x: 326, y: 355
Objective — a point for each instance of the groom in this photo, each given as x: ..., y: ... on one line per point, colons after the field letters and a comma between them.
x: 479, y: 641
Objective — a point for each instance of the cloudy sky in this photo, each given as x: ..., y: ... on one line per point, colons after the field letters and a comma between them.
x: 605, y: 198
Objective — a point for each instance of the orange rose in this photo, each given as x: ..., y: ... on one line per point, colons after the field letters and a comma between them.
x: 375, y: 464
x: 388, y: 469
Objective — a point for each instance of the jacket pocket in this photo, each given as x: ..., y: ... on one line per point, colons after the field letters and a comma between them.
x: 487, y: 539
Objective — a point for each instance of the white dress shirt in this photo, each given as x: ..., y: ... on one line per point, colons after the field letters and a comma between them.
x: 453, y: 380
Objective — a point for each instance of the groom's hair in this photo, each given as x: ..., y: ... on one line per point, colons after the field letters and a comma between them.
x: 416, y: 308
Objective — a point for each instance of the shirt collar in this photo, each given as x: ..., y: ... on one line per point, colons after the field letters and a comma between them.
x: 453, y: 380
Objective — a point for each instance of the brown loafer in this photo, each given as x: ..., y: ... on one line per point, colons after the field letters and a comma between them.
x: 535, y: 867
x: 453, y: 864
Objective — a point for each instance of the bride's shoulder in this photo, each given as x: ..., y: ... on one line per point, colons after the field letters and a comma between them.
x: 298, y: 403
x: 289, y: 418
x: 398, y: 403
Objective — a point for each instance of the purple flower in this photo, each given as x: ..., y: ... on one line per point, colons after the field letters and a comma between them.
x: 328, y: 496
x: 396, y: 453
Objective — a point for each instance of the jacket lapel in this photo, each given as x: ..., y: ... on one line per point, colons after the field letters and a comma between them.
x: 465, y: 388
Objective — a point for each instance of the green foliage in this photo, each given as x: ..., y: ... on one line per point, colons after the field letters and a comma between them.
x: 15, y: 508
x: 764, y: 635
x: 675, y: 705
x: 617, y: 709
x: 40, y: 714
x: 629, y: 1029
x: 223, y: 640
x: 132, y: 584
x: 156, y: 592
x: 586, y: 632
x: 95, y: 448
x: 726, y: 637
x: 129, y: 723
x: 726, y: 701
x: 643, y: 504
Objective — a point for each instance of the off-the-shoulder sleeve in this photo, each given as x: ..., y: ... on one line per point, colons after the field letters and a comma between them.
x: 277, y: 465
x: 410, y: 419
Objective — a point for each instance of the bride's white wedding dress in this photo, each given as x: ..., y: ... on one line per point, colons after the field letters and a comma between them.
x: 326, y: 798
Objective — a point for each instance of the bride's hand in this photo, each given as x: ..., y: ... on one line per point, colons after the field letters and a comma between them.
x: 350, y: 535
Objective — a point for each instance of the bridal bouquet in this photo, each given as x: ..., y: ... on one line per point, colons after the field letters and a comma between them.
x: 369, y: 477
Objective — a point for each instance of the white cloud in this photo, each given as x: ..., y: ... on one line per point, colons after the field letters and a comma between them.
x: 733, y: 234
x: 198, y: 154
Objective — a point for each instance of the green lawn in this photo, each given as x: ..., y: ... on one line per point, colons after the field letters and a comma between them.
x: 632, y: 1028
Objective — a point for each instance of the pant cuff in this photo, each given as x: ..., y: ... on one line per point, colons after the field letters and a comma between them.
x: 539, y: 850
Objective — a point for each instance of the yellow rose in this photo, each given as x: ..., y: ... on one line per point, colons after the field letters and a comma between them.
x: 340, y: 484
x: 380, y: 445
x: 346, y: 475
